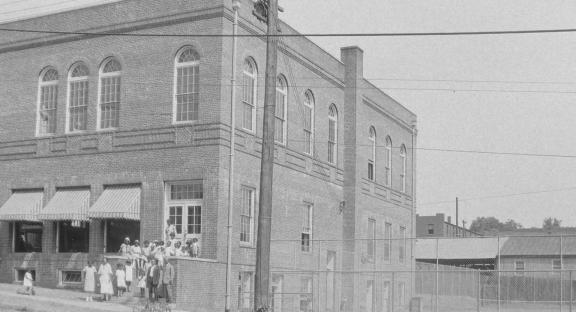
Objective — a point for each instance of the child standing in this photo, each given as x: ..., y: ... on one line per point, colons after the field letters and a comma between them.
x: 120, y: 279
x: 142, y: 281
x: 89, y: 280
x: 28, y: 283
x: 129, y: 268
x: 195, y: 248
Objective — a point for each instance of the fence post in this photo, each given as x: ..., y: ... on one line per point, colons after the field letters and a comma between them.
x: 478, y: 294
x: 499, y: 264
x: 393, y: 287
x: 561, y: 275
x: 437, y: 268
x: 571, y: 290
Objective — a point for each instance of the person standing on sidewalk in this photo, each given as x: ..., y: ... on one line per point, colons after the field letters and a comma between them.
x: 167, y: 280
x: 152, y: 280
x: 105, y: 273
x: 89, y: 280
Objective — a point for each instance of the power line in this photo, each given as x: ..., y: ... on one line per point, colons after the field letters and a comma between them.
x: 372, y: 34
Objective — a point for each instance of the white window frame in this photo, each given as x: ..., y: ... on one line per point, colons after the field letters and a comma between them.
x: 246, y: 292
x: 371, y: 240
x: 252, y: 194
x: 101, y: 76
x: 306, y: 292
x: 307, y: 229
x: 309, y: 103
x: 388, y: 241
x: 254, y: 77
x: 72, y: 80
x: 402, y: 245
x: 559, y: 267
x: 61, y: 282
x: 372, y: 158
x: 333, y: 144
x: 185, y: 204
x: 178, y: 65
x: 43, y: 84
x: 389, y: 161
x: 284, y: 93
x: 401, y: 293
x: 24, y: 270
x: 404, y: 165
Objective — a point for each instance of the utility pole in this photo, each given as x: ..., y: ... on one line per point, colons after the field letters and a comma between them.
x: 268, y: 10
x: 456, y: 211
x: 235, y: 7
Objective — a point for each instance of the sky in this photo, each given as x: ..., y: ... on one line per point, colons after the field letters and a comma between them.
x: 498, y: 93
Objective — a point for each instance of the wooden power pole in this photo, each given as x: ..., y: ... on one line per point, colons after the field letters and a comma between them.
x: 267, y: 10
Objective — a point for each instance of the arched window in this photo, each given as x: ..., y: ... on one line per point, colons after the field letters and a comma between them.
x: 403, y: 172
x: 281, y: 106
x: 332, y: 134
x: 372, y: 156
x: 249, y: 95
x: 388, y: 161
x: 78, y: 97
x: 309, y: 123
x: 109, y: 100
x: 186, y: 85
x: 47, y: 102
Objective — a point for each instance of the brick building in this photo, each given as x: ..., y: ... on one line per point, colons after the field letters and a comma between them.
x: 438, y: 226
x: 107, y: 136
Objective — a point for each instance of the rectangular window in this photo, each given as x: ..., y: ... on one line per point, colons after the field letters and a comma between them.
x: 371, y: 241
x: 117, y: 230
x: 184, y: 202
x: 556, y: 264
x: 276, y: 295
x: 402, y: 245
x: 370, y: 170
x: 248, y: 102
x: 401, y: 293
x: 70, y: 277
x: 369, y: 296
x: 245, y: 292
x: 519, y: 267
x: 306, y: 294
x: 306, y: 227
x: 387, y: 242
x: 73, y: 236
x: 332, y: 140
x: 78, y: 105
x: 110, y: 102
x: 19, y: 274
x: 279, y: 115
x: 247, y: 216
x: 430, y: 229
x: 308, y: 130
x: 48, y: 103
x: 27, y: 236
x: 187, y: 92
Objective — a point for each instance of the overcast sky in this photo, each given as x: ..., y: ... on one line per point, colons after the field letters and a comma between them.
x: 440, y: 78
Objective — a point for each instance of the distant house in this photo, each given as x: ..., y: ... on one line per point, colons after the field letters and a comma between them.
x: 437, y: 226
x: 471, y: 252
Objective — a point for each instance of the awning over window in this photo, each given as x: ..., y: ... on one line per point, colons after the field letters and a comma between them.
x: 22, y: 206
x: 67, y: 205
x: 117, y: 202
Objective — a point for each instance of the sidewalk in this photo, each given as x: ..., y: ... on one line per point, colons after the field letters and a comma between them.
x: 61, y: 300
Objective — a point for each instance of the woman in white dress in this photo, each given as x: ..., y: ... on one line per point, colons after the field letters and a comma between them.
x: 105, y: 273
x: 120, y: 279
x: 89, y: 280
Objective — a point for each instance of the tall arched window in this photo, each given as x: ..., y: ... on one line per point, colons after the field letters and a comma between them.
x: 309, y: 123
x: 249, y: 95
x: 281, y: 107
x: 186, y: 85
x: 388, y: 161
x: 47, y: 102
x: 332, y: 134
x: 109, y: 99
x: 403, y: 172
x: 78, y: 98
x: 372, y: 156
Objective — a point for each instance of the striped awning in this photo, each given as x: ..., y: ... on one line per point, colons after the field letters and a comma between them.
x: 22, y: 206
x: 117, y: 202
x: 67, y: 205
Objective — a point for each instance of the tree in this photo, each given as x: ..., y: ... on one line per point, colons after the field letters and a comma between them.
x: 551, y: 224
x: 492, y: 226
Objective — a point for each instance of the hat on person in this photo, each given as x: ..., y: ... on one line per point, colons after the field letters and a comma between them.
x: 127, y: 239
x: 136, y: 242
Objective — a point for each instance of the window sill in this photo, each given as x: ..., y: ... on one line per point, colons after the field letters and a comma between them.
x: 107, y: 130
x: 247, y: 246
x: 184, y: 122
x: 77, y: 132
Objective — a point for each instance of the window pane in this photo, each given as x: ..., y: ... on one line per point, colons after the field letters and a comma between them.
x: 28, y: 237
x: 247, y: 209
x: 110, y: 102
x: 192, y: 190
x: 78, y: 105
x: 117, y: 230
x: 74, y: 236
x: 175, y: 217
x: 194, y: 219
x: 187, y: 93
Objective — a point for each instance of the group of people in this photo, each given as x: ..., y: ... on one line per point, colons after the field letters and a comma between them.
x: 149, y: 264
